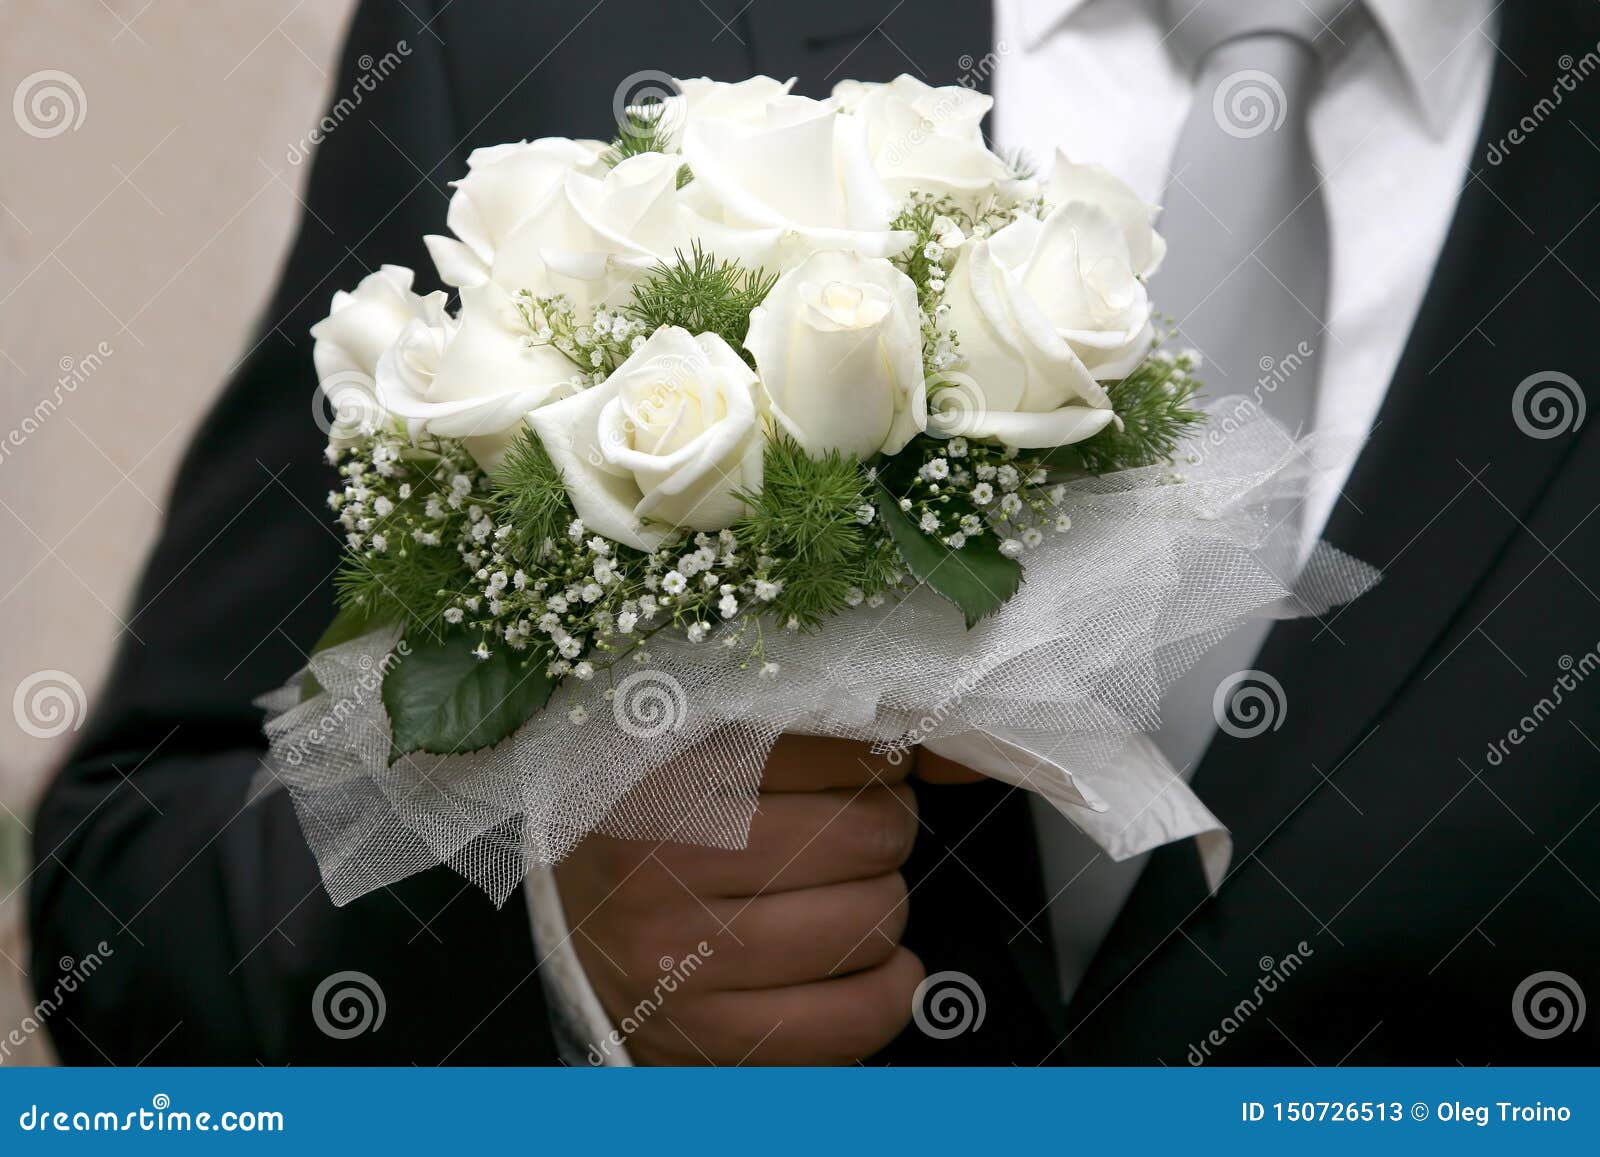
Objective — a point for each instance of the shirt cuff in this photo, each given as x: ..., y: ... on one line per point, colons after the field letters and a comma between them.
x: 584, y: 1033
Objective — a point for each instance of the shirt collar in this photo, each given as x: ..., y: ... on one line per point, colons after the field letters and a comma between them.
x: 1428, y: 39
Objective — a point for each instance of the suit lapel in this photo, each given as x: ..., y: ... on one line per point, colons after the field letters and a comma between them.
x: 1441, y: 486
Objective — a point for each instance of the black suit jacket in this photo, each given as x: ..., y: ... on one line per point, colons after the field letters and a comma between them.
x: 1425, y: 881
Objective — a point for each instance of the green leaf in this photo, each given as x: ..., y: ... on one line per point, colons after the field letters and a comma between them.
x: 978, y: 579
x: 444, y: 700
x: 350, y: 623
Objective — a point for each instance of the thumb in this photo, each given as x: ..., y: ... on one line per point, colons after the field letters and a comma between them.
x: 933, y: 768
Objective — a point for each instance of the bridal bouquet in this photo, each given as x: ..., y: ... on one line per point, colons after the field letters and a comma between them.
x: 769, y: 414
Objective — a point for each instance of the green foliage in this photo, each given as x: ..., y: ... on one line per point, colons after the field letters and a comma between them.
x: 1156, y: 406
x: 703, y: 295
x: 443, y: 699
x: 409, y: 584
x: 643, y: 129
x: 808, y: 519
x: 978, y: 579
x: 530, y: 496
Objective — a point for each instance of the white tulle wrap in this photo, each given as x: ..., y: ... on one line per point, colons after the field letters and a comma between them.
x: 1056, y: 692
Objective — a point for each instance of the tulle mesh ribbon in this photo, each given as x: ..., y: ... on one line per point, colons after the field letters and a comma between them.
x: 1056, y: 692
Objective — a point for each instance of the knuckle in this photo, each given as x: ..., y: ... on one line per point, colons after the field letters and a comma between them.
x: 884, y: 828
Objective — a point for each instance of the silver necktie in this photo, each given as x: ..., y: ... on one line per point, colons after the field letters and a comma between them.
x: 1245, y: 280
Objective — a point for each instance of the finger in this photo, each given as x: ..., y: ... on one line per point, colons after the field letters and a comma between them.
x: 804, y: 840
x: 807, y: 935
x: 815, y: 763
x: 824, y: 1022
x: 933, y: 768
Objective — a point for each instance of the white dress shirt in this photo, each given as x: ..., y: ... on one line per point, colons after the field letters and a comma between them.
x: 1392, y: 131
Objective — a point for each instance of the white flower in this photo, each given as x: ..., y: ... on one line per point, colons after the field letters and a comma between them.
x: 766, y: 591
x: 504, y: 185
x: 579, y: 715
x: 477, y: 384
x: 672, y: 436
x: 1096, y: 185
x: 674, y: 583
x: 583, y: 671
x: 360, y: 327
x: 1031, y: 303
x: 773, y: 190
x: 626, y: 621
x: 696, y: 632
x: 769, y: 671
x: 838, y: 343
x: 596, y: 236
x: 923, y: 138
x: 701, y: 98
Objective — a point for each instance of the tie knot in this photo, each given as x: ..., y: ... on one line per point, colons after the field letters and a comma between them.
x: 1198, y: 27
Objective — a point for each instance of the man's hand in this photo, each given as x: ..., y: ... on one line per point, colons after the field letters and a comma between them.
x: 802, y: 961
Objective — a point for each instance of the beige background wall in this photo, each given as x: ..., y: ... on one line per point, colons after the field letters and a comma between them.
x: 146, y: 199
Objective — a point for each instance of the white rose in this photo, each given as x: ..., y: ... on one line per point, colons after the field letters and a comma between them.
x: 798, y: 181
x: 1023, y: 302
x: 361, y: 325
x: 838, y: 343
x: 924, y: 138
x: 670, y: 439
x: 1096, y: 185
x: 595, y: 237
x: 477, y: 383
x: 504, y: 185
x: 701, y: 98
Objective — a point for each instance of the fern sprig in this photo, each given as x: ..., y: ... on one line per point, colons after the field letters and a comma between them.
x: 703, y: 295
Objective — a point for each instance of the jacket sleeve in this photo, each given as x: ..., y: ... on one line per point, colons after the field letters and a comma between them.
x: 214, y: 940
